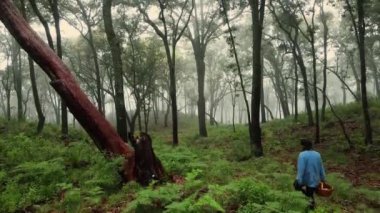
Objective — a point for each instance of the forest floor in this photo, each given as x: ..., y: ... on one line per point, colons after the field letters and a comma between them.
x: 213, y: 174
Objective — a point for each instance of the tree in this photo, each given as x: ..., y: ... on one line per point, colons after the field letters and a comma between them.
x: 53, y: 4
x: 7, y: 86
x: 359, y: 29
x: 277, y: 63
x: 114, y: 42
x: 99, y: 129
x: 63, y: 82
x: 324, y: 18
x: 89, y: 14
x: 204, y: 28
x: 36, y: 98
x: 17, y: 76
x: 288, y: 23
x: 257, y: 13
x: 310, y: 37
x: 57, y: 18
x: 217, y: 88
x: 144, y: 64
x: 176, y: 23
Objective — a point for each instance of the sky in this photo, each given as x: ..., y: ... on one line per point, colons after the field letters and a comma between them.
x: 67, y: 32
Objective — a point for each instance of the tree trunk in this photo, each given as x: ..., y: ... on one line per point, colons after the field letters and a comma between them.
x: 155, y: 109
x: 356, y: 76
x: 324, y: 70
x: 64, y: 83
x: 17, y: 69
x: 233, y: 116
x: 167, y: 115
x: 201, y: 67
x: 344, y: 94
x: 37, y: 104
x: 44, y: 23
x: 250, y: 129
x: 305, y: 85
x: 56, y: 16
x: 363, y: 72
x: 8, y: 94
x: 257, y: 13
x: 295, y: 87
x: 170, y: 56
x: 173, y: 97
x: 114, y: 42
x: 221, y: 113
x: 278, y: 86
x: 372, y: 64
x: 316, y: 105
x: 97, y: 74
x: 262, y: 107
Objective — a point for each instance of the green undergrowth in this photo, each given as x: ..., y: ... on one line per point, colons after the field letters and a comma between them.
x: 213, y: 174
x: 37, y: 171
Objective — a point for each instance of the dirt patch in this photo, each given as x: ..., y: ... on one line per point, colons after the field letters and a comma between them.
x: 360, y: 170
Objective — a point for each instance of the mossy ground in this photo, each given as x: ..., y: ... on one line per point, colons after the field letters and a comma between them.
x: 43, y: 174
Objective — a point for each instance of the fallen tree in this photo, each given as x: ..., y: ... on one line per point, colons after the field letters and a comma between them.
x: 99, y: 129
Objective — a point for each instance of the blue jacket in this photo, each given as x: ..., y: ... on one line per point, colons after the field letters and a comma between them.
x: 310, y: 171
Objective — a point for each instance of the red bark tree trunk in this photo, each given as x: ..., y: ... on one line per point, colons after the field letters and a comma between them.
x: 103, y: 134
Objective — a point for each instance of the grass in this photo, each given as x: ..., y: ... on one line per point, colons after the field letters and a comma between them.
x: 40, y: 173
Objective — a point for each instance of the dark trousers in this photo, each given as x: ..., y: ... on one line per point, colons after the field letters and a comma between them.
x: 309, y: 191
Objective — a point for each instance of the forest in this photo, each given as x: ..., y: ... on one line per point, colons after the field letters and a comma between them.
x: 177, y: 106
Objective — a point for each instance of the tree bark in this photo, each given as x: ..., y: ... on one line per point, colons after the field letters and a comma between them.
x: 7, y: 88
x: 295, y: 86
x: 262, y: 104
x: 199, y: 53
x: 324, y: 70
x: 305, y: 84
x: 44, y: 23
x: 372, y: 64
x: 36, y: 98
x: 104, y: 136
x: 17, y: 79
x: 316, y: 101
x: 351, y: 61
x: 173, y: 95
x: 114, y: 42
x: 257, y: 14
x: 37, y: 103
x: 363, y: 72
x: 56, y: 17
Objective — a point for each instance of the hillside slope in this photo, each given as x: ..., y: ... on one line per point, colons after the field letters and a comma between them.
x: 43, y: 174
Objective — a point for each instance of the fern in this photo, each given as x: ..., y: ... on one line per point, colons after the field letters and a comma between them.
x: 207, y: 204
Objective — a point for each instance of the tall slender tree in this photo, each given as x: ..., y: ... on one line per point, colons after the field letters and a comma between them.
x: 257, y: 14
x: 360, y: 30
x: 57, y: 19
x: 172, y: 30
x: 36, y: 98
x: 114, y: 42
x: 89, y: 14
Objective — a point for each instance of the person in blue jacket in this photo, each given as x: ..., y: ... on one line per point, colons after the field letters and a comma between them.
x: 310, y: 171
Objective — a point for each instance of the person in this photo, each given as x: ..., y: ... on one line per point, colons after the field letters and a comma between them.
x: 310, y: 171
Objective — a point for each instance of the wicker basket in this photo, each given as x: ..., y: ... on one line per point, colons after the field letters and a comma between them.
x: 324, y: 190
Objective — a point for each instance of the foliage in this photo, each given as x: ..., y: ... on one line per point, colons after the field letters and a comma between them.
x: 41, y: 173
x: 37, y: 170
